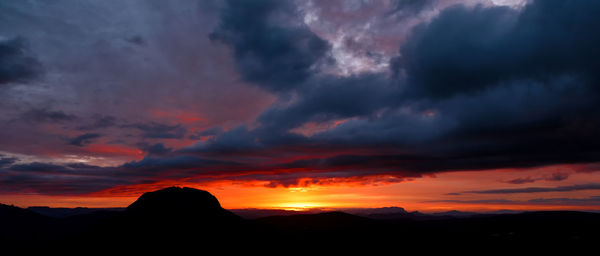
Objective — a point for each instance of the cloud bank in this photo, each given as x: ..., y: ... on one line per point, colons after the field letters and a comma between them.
x: 250, y: 91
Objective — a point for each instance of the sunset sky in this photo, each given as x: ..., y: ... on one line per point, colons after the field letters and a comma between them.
x: 430, y: 105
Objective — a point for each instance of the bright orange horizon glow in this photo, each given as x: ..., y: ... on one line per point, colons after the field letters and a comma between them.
x: 426, y: 194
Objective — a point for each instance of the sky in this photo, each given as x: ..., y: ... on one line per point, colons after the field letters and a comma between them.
x: 430, y: 105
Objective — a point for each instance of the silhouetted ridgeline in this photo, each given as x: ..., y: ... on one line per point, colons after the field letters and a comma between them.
x: 188, y: 217
x: 68, y: 212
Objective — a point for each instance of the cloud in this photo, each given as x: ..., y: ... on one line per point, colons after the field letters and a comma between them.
x: 557, y: 176
x: 5, y: 161
x: 491, y: 103
x: 470, y: 49
x: 521, y: 180
x: 482, y: 201
x: 56, y: 179
x: 80, y: 178
x: 475, y: 88
x: 177, y: 72
x: 158, y: 130
x: 214, y: 131
x: 83, y: 139
x: 577, y: 187
x: 589, y: 201
x: 593, y: 200
x: 403, y: 9
x: 472, y: 88
x: 17, y: 63
x: 47, y: 116
x: 271, y: 45
x: 154, y: 149
x: 99, y: 122
x: 329, y: 97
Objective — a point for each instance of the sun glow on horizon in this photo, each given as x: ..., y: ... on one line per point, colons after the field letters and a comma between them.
x: 426, y: 194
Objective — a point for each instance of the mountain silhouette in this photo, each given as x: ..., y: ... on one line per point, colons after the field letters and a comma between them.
x: 20, y: 224
x: 61, y: 212
x: 183, y: 204
x: 170, y: 215
x: 188, y: 219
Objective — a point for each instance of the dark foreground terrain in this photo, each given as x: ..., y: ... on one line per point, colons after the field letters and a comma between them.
x: 186, y: 218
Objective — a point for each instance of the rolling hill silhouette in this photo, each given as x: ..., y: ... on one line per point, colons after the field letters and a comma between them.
x: 187, y: 218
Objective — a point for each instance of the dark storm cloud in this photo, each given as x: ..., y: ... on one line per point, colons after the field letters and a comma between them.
x: 476, y: 88
x: 17, y: 64
x: 466, y: 50
x: 326, y: 98
x: 84, y: 139
x: 271, y: 45
x: 159, y: 130
x: 320, y: 99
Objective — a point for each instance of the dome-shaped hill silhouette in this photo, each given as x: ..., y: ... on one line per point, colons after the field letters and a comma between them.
x: 183, y: 204
x: 173, y: 213
x: 177, y: 200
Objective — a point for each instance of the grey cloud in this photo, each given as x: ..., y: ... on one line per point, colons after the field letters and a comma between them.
x: 154, y: 149
x: 17, y: 63
x: 158, y: 130
x: 6, y: 161
x: 46, y: 115
x: 84, y: 139
x: 99, y: 122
